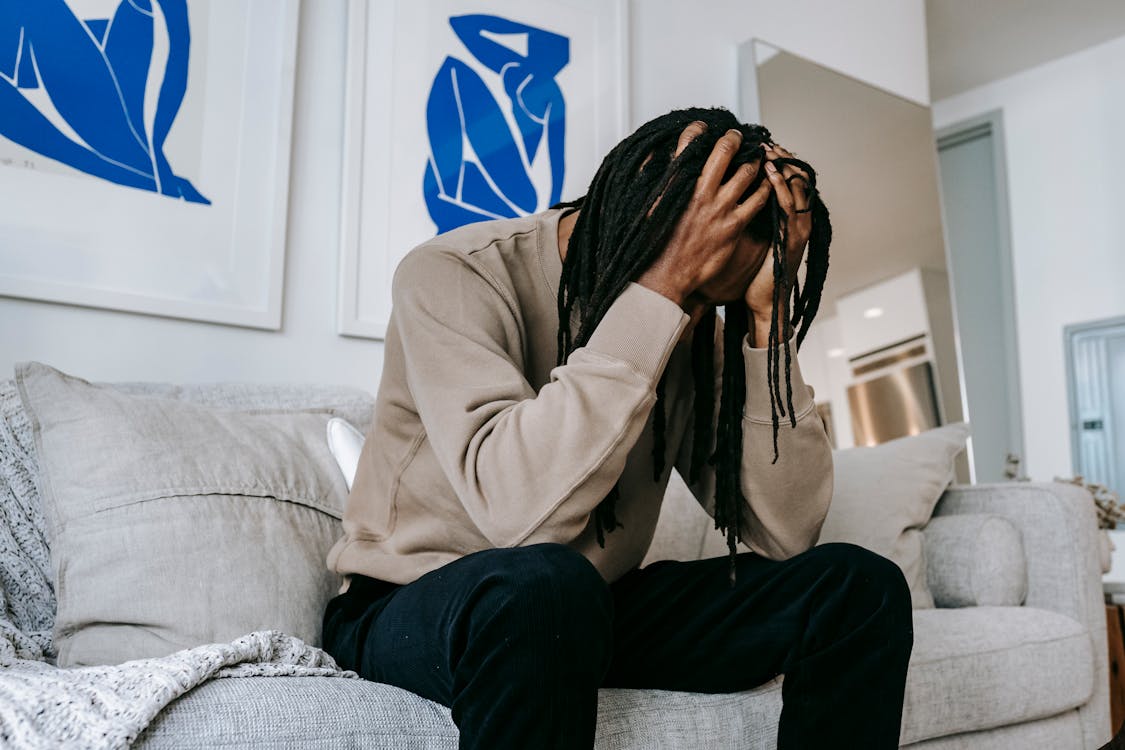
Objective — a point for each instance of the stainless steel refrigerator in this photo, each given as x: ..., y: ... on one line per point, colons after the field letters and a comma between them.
x: 896, y: 404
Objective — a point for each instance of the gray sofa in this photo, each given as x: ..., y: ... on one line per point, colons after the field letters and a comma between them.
x: 981, y: 676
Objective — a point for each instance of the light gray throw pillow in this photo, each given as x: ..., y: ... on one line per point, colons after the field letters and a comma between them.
x: 975, y: 560
x: 173, y: 524
x: 885, y: 494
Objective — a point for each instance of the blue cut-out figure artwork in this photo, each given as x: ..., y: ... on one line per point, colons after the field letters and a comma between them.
x: 480, y: 167
x: 96, y: 74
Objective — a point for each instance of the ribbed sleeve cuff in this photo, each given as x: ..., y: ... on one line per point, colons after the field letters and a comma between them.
x: 641, y: 327
x: 757, y: 407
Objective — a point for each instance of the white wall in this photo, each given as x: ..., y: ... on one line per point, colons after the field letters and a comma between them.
x: 1063, y: 125
x: 683, y: 54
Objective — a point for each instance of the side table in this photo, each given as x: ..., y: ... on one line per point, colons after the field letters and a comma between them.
x: 1115, y: 634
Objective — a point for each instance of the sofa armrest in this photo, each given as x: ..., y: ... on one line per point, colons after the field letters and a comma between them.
x: 1059, y: 528
x: 1060, y: 539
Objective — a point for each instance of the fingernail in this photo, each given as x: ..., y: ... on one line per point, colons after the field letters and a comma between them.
x: 770, y: 167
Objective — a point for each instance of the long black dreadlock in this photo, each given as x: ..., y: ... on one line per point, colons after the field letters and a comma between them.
x: 623, y: 228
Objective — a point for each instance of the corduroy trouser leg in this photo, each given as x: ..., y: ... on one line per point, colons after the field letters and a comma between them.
x: 517, y: 641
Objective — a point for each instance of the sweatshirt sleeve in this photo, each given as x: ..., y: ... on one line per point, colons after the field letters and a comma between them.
x: 787, y: 501
x: 524, y: 463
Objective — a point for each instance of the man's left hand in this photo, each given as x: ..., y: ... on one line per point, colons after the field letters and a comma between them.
x: 790, y: 184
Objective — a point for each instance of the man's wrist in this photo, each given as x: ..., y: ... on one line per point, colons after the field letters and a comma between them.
x: 663, y: 284
x: 759, y: 327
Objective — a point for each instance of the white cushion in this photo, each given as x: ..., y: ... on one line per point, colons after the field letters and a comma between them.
x: 882, y: 497
x: 346, y: 443
x: 885, y: 494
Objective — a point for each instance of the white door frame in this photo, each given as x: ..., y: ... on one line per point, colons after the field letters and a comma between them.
x: 991, y: 123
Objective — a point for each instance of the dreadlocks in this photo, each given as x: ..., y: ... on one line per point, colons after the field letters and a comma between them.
x: 626, y: 219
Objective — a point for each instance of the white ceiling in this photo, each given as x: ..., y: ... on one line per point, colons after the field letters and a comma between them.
x: 973, y: 42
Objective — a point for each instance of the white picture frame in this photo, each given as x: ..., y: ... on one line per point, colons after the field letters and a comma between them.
x: 74, y: 237
x: 394, y: 50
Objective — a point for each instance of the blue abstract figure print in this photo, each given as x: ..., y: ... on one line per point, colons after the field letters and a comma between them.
x: 481, y: 166
x: 97, y: 74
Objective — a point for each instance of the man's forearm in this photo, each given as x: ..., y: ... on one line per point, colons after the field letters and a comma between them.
x: 787, y: 500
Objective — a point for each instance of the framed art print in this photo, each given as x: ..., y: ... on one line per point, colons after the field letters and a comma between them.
x: 461, y: 111
x: 144, y: 155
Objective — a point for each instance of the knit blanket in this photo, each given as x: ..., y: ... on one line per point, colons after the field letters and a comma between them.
x: 43, y: 706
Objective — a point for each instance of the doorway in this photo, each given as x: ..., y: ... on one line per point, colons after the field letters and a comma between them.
x: 975, y: 209
x: 1095, y: 354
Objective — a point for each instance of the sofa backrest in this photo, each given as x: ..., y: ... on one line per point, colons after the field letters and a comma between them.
x: 680, y: 533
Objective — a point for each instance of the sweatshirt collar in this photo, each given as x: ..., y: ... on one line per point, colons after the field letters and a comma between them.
x: 547, y: 231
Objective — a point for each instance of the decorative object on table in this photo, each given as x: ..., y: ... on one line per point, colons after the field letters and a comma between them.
x: 144, y: 154
x: 1109, y: 511
x: 1012, y: 469
x: 458, y: 113
x: 1109, y: 507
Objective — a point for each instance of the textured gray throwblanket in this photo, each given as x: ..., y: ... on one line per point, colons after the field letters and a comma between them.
x: 42, y: 706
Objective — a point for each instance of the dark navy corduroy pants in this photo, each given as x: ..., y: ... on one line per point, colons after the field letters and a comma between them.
x: 517, y: 641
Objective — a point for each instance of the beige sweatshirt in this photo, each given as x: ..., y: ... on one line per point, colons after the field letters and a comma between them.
x: 479, y: 440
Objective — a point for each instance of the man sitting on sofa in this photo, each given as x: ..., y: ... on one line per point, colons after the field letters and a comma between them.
x: 537, y: 370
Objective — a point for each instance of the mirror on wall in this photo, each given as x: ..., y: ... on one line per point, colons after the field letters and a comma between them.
x: 882, y: 353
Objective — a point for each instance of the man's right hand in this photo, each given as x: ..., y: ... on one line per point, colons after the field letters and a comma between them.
x: 707, y: 233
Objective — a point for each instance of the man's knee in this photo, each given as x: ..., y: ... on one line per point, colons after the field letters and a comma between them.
x: 550, y: 584
x: 865, y: 578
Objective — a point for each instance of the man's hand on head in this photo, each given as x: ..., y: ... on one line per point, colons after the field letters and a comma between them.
x: 790, y: 184
x: 712, y: 227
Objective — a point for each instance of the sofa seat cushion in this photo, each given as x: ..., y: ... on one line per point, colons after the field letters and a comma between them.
x: 327, y: 712
x: 971, y: 669
x: 984, y: 667
x: 304, y: 712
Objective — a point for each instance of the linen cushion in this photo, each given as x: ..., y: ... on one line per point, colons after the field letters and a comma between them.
x: 885, y: 494
x: 173, y: 524
x: 983, y: 667
x: 882, y: 497
x: 975, y: 559
x: 683, y: 527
